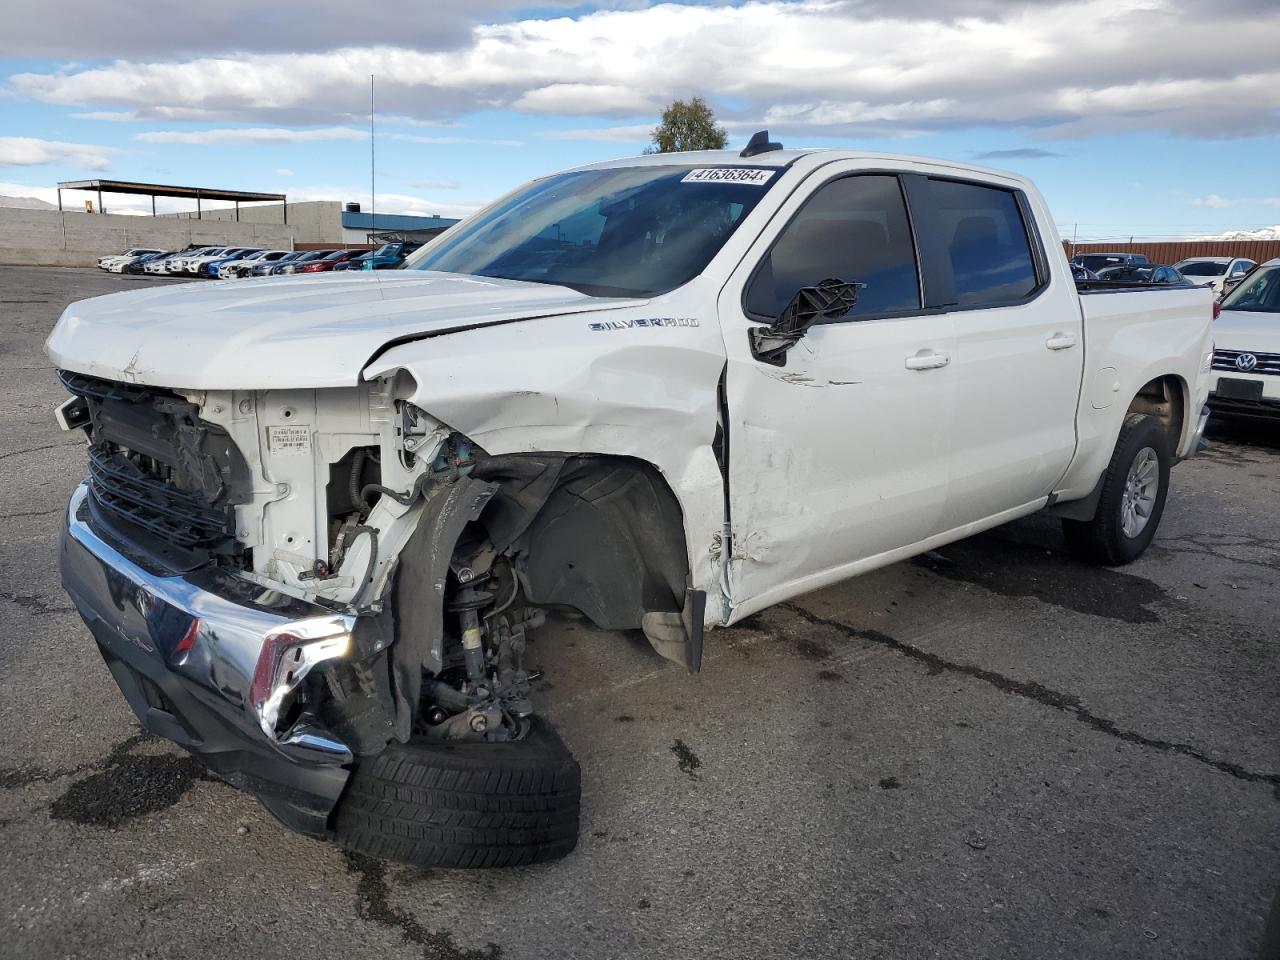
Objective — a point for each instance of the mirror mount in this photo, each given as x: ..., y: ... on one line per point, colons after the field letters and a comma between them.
x: 829, y: 300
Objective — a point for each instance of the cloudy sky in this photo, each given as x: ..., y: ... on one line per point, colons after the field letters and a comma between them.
x: 1145, y: 117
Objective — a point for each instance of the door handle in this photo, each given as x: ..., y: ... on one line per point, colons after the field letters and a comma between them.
x: 927, y: 360
x: 1061, y: 341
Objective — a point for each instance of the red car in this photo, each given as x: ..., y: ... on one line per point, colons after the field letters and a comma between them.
x: 327, y: 263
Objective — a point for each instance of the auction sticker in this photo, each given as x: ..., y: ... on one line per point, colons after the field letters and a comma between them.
x: 290, y: 439
x: 754, y: 177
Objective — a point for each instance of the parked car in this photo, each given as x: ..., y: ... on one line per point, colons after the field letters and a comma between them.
x: 356, y: 262
x: 160, y: 265
x: 287, y: 267
x: 104, y: 263
x: 1082, y: 273
x: 230, y: 269
x: 324, y: 264
x: 269, y: 267
x: 235, y: 269
x: 1246, y: 355
x: 1216, y: 271
x: 1098, y: 262
x: 316, y: 532
x: 1144, y: 273
x: 138, y: 264
x: 208, y: 266
x: 188, y: 262
x: 386, y: 257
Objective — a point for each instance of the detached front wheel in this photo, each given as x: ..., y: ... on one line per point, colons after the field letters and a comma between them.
x: 436, y: 803
x: 1134, y: 488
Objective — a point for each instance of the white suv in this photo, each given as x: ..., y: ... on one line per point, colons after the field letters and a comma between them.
x: 1246, y: 355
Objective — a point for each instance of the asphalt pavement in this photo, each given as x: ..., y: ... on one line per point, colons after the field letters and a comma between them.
x: 987, y: 752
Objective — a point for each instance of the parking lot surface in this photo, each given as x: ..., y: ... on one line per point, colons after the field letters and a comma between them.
x: 990, y: 751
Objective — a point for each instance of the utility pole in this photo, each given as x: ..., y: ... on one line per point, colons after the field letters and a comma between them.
x: 373, y: 182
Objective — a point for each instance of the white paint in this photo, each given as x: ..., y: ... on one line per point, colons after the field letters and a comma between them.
x: 846, y: 459
x: 1250, y: 332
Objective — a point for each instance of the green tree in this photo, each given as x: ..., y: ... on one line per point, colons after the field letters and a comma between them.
x: 688, y: 126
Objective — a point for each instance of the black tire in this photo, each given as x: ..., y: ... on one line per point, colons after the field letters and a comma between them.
x: 464, y: 804
x: 1103, y: 539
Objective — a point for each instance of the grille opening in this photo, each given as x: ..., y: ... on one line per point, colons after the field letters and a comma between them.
x: 159, y: 473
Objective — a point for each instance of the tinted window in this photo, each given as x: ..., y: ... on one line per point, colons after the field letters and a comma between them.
x: 855, y: 228
x: 990, y: 254
x: 626, y: 231
x: 1099, y: 261
x: 1203, y: 268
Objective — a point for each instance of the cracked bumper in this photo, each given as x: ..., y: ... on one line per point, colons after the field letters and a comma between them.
x: 206, y: 660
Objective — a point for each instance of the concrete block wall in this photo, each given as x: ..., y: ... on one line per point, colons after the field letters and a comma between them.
x: 65, y: 239
x: 313, y: 221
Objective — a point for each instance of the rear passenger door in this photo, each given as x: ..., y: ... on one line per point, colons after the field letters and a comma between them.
x: 1019, y: 346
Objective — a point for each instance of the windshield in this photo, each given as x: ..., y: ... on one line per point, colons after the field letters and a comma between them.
x: 387, y: 250
x: 623, y: 232
x: 1133, y: 271
x: 1202, y: 268
x: 1098, y: 261
x: 1259, y: 293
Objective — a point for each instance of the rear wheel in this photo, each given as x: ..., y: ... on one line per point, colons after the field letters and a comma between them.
x: 436, y: 803
x: 1133, y: 494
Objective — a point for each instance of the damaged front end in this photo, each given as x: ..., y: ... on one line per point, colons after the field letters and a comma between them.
x: 286, y: 581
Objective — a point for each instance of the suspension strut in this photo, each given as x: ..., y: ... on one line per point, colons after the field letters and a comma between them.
x: 468, y: 604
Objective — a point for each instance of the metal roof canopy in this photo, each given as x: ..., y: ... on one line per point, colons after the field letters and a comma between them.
x: 154, y: 190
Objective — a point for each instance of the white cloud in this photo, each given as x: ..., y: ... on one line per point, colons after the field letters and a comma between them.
x: 1212, y: 200
x: 31, y: 152
x: 73, y: 200
x: 132, y: 29
x: 400, y: 203
x: 1262, y: 233
x: 587, y: 99
x: 837, y: 68
x: 252, y: 135
x: 448, y: 139
x: 434, y: 184
x: 632, y: 133
x: 283, y: 172
x: 112, y: 116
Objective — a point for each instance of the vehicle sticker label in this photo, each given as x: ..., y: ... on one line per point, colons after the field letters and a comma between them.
x: 645, y: 322
x: 754, y: 177
x: 289, y: 440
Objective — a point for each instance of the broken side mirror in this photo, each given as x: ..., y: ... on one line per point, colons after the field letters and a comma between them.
x: 829, y: 300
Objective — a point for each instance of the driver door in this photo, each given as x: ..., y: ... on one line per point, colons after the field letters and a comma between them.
x: 839, y: 457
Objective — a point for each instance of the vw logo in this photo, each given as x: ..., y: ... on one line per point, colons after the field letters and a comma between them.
x: 1246, y: 361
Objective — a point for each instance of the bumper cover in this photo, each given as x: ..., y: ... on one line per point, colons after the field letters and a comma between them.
x: 188, y: 655
x: 1262, y: 408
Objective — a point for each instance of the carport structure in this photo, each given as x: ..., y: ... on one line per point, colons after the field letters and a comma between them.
x: 153, y: 190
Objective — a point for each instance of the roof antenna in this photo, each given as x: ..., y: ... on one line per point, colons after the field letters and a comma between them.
x: 759, y: 143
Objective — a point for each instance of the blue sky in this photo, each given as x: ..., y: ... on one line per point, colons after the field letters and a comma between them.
x: 1136, y: 117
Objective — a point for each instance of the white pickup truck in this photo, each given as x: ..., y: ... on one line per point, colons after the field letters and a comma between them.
x: 323, y: 513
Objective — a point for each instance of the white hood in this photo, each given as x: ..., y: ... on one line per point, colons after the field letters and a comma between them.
x: 286, y: 332
x: 1248, y: 330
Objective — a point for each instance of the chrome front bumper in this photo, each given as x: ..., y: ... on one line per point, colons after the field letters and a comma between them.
x: 207, y: 660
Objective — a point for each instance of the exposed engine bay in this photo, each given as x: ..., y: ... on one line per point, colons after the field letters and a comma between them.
x: 442, y: 556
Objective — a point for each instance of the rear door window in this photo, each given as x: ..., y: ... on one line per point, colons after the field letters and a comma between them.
x: 851, y: 229
x: 987, y: 243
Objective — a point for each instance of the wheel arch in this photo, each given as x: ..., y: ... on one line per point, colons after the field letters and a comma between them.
x: 1166, y: 398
